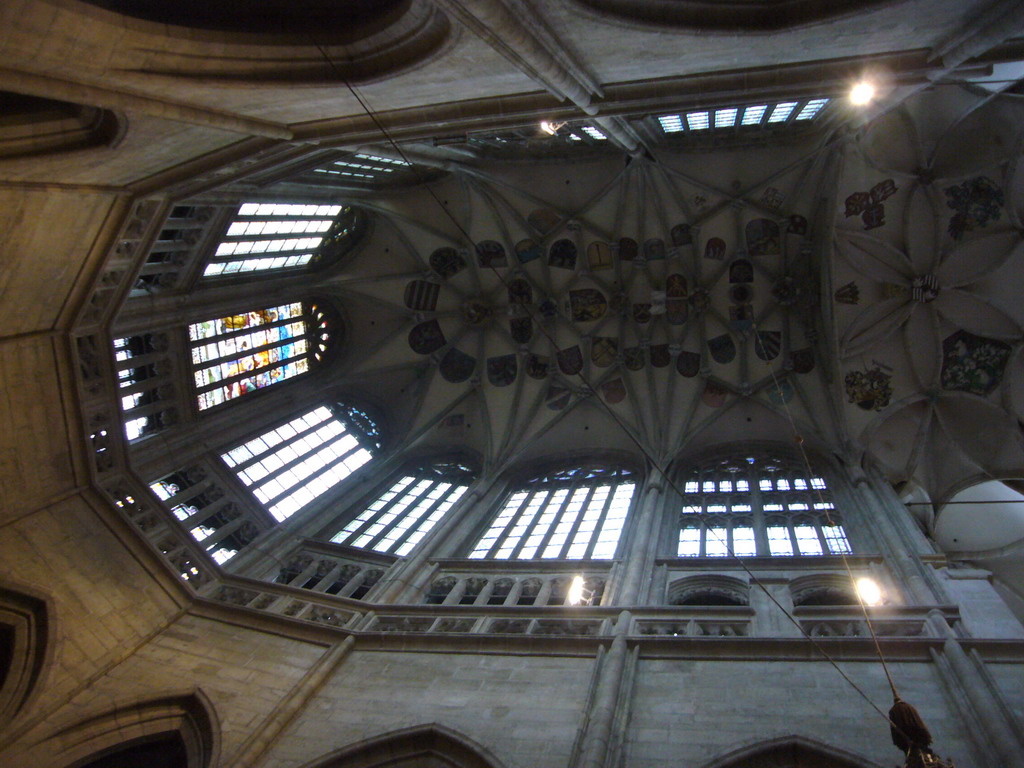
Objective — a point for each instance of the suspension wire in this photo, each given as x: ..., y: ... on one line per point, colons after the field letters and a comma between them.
x: 615, y: 417
x: 825, y: 507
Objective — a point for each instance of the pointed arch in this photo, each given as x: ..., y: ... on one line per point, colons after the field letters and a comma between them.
x: 187, y: 721
x: 791, y: 751
x: 421, y: 746
x: 26, y: 643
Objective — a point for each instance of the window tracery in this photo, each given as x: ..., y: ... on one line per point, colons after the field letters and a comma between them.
x: 576, y: 513
x: 291, y: 465
x: 409, y: 509
x: 758, y: 505
x: 237, y: 354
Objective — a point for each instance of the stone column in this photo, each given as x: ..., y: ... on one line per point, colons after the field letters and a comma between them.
x: 639, y: 557
x: 608, y: 694
x: 1000, y: 733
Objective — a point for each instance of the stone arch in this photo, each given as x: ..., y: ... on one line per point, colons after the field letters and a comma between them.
x: 187, y: 721
x: 709, y: 590
x: 213, y: 43
x: 31, y: 126
x: 727, y: 16
x: 26, y: 642
x: 823, y: 589
x: 422, y: 746
x: 791, y: 751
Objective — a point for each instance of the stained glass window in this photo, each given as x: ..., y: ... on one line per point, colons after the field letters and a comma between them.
x: 571, y: 514
x: 237, y: 354
x: 291, y: 465
x: 791, y: 512
x: 265, y: 236
x: 400, y: 517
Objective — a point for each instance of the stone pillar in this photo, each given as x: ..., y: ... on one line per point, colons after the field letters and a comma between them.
x: 639, y: 558
x: 888, y: 519
x: 607, y: 695
x: 1001, y: 734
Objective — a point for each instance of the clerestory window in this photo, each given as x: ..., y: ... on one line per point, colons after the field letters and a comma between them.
x: 755, y: 505
x: 291, y: 465
x: 275, y: 236
x: 744, y: 116
x: 401, y: 516
x: 237, y: 354
x: 572, y: 514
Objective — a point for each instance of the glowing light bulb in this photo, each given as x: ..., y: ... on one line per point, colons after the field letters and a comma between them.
x: 550, y: 128
x: 576, y: 590
x: 862, y: 93
x: 870, y: 593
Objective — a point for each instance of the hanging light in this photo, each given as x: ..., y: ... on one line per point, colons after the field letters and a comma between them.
x: 868, y: 591
x: 578, y: 593
x: 862, y: 93
x: 549, y: 127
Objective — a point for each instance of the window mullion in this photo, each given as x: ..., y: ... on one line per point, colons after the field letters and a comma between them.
x: 233, y: 356
x: 204, y: 388
x: 532, y: 526
x: 554, y: 521
x: 415, y: 523
x: 757, y: 515
x: 580, y: 515
x: 405, y: 513
x: 507, y: 531
x: 355, y: 534
x: 325, y: 468
x: 599, y: 525
x: 224, y: 335
x: 241, y: 466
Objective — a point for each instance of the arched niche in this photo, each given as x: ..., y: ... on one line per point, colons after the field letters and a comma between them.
x: 25, y: 646
x: 31, y: 126
x: 423, y: 746
x: 981, y: 517
x: 178, y: 731
x: 728, y: 16
x: 790, y: 752
x: 822, y: 589
x: 272, y: 42
x: 708, y: 590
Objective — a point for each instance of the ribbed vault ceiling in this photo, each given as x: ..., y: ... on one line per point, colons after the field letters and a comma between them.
x: 861, y: 290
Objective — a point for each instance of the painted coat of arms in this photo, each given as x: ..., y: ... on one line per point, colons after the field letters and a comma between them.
x: 870, y: 389
x: 587, y: 305
x: 491, y: 253
x: 570, y: 360
x: 973, y: 363
x: 447, y: 262
x: 426, y: 337
x: 562, y: 254
x: 457, y: 366
x: 976, y: 201
x: 868, y: 205
x: 603, y: 350
x: 537, y: 366
x: 762, y: 237
x: 501, y: 371
x: 688, y: 364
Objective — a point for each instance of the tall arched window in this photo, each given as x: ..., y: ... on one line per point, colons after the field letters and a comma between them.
x: 571, y: 514
x: 273, y: 236
x: 753, y: 504
x: 402, y: 515
x: 291, y: 465
x: 240, y: 353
